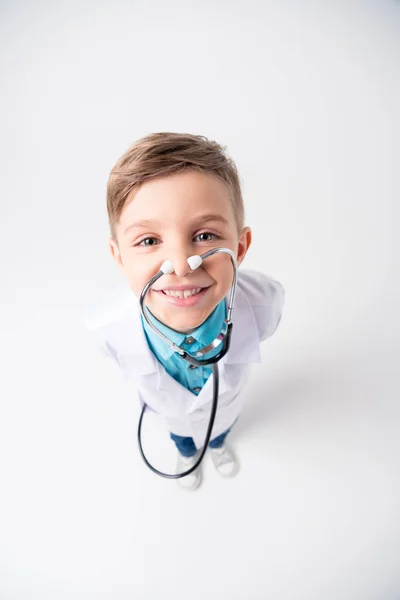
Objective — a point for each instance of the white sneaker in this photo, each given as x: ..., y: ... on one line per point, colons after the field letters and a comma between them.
x: 224, y: 461
x: 193, y: 480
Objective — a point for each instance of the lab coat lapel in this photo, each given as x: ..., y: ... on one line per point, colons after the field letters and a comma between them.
x: 134, y: 354
x: 139, y: 363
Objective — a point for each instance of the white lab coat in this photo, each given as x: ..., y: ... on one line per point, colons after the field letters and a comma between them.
x: 116, y: 324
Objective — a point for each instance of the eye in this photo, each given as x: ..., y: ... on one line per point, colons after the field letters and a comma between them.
x: 206, y: 236
x: 150, y: 241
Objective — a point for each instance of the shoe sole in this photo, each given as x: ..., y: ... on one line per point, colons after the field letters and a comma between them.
x: 228, y: 475
x: 191, y: 488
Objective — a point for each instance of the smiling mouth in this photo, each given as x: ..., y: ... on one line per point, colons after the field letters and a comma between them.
x: 182, y: 293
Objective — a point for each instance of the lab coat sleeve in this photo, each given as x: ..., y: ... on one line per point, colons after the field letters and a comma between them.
x: 267, y: 297
x: 100, y: 317
x: 276, y: 294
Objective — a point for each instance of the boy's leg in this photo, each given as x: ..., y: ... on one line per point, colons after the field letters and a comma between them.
x: 187, y: 457
x: 218, y: 442
x: 223, y: 459
x: 185, y: 445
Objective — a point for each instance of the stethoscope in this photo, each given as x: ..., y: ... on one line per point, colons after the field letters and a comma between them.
x: 224, y: 337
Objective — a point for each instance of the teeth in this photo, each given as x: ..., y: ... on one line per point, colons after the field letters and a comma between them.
x: 184, y: 294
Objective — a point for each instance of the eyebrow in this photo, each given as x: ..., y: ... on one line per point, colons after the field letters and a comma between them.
x: 146, y: 223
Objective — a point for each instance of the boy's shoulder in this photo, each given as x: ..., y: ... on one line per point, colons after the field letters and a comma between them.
x: 260, y: 289
x: 266, y: 297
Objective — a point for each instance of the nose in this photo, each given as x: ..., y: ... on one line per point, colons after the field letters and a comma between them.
x: 180, y: 262
x: 178, y: 253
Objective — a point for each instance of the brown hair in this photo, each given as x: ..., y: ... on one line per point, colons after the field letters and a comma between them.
x: 161, y: 154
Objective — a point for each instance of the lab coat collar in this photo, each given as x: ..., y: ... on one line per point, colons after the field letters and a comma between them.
x: 137, y: 358
x: 204, y: 334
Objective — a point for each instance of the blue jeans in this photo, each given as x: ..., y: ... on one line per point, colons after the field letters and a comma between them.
x: 186, y: 445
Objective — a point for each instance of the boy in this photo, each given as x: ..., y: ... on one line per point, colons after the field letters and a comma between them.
x: 171, y: 196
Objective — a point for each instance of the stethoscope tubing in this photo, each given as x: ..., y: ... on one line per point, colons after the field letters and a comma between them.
x: 215, y: 376
x: 194, y: 361
x: 190, y: 358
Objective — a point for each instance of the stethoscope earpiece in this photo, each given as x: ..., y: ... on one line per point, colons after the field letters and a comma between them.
x: 167, y: 267
x: 194, y: 261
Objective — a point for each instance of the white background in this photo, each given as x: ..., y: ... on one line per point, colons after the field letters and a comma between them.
x: 305, y: 95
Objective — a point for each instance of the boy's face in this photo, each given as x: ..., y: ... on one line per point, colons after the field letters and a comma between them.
x: 175, y: 217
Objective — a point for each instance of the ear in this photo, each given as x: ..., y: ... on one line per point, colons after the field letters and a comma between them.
x: 115, y: 252
x: 244, y: 244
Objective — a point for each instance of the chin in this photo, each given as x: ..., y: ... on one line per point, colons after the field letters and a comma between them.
x: 184, y: 327
x: 183, y: 322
